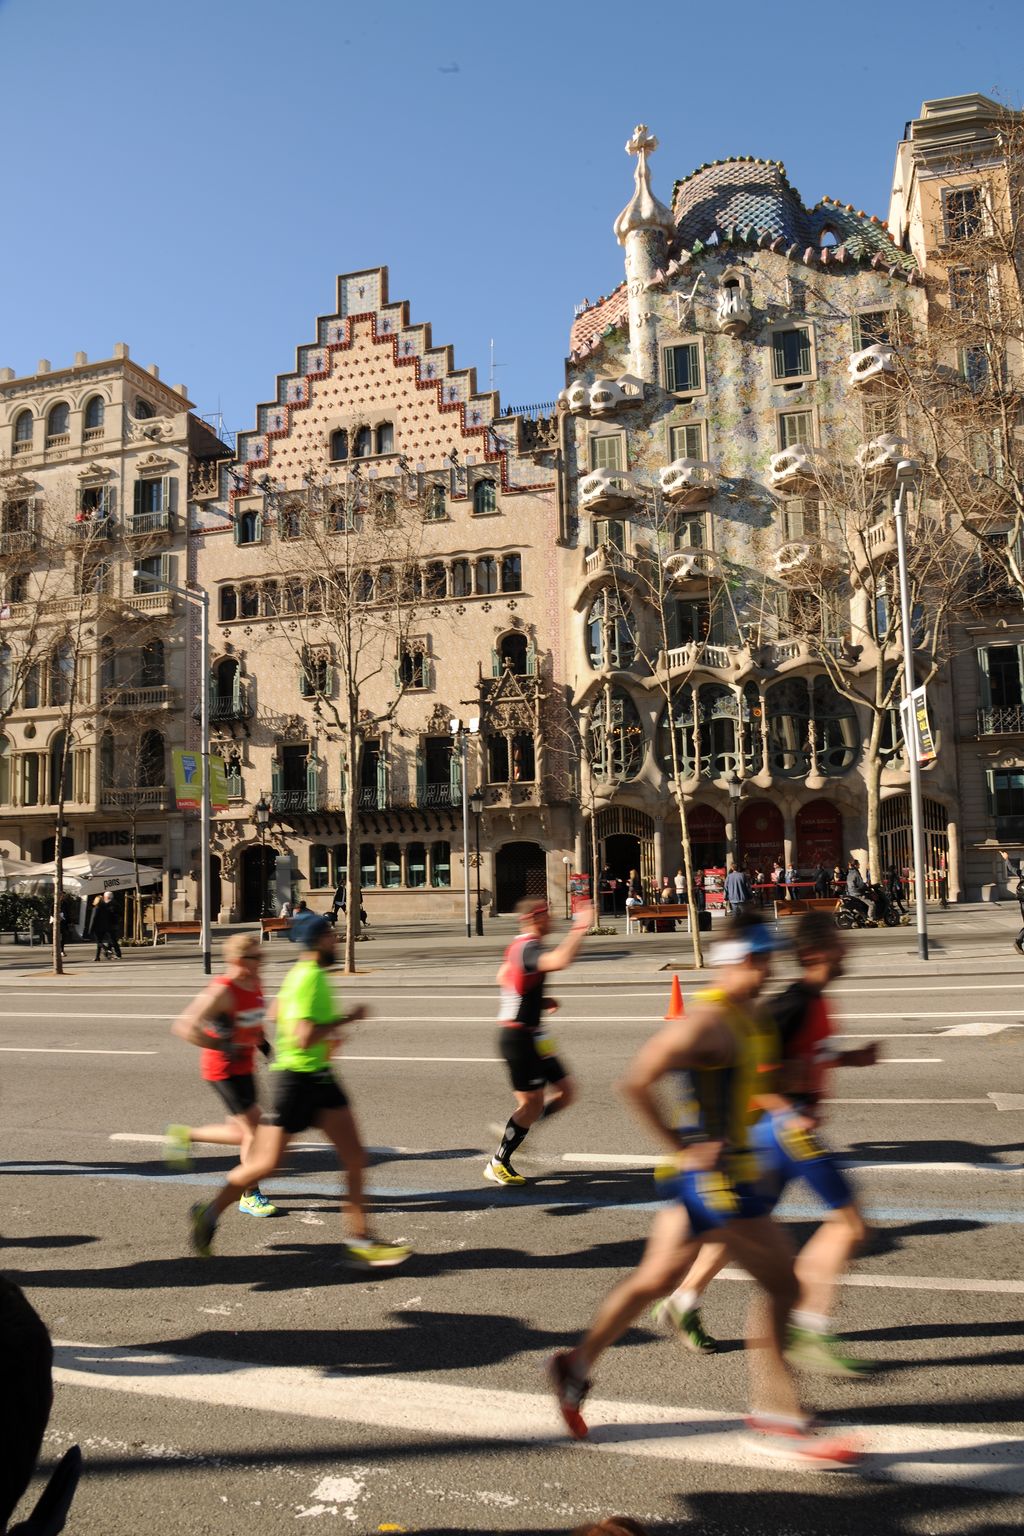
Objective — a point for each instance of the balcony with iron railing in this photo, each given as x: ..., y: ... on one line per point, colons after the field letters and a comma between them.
x: 1001, y: 720
x: 438, y: 797
x: 230, y: 706
x: 144, y: 524
x: 90, y: 530
x: 158, y: 696
x: 18, y: 541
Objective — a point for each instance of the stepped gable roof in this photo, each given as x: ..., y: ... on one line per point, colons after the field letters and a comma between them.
x: 746, y: 200
x: 591, y: 324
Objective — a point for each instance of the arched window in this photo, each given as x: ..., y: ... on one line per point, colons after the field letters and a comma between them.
x: 94, y: 414
x: 441, y: 865
x: 435, y: 580
x: 416, y: 864
x: 367, y: 866
x: 5, y: 771
x: 294, y: 597
x: 434, y: 509
x: 319, y: 872
x: 385, y: 584
x: 62, y: 673
x: 788, y: 706
x: 339, y: 445
x: 835, y: 727
x: 58, y: 422
x: 462, y: 578
x: 485, y: 498
x: 143, y: 410
x: 617, y: 741
x: 228, y: 603
x: 341, y: 516
x: 23, y: 427
x: 682, y: 727
x: 225, y: 682
x: 750, y: 725
x: 486, y: 575
x: 364, y: 586
x: 106, y: 759
x: 511, y: 573
x: 610, y: 641
x: 364, y: 443
x: 290, y: 522
x: 390, y: 866
x: 719, y: 755
x: 151, y: 764
x: 248, y: 527
x: 387, y: 509
x: 60, y: 769
x: 250, y: 605
x: 151, y: 664
x: 512, y: 651
x: 385, y: 436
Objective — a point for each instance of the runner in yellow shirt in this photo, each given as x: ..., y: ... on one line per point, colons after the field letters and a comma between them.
x: 309, y: 1021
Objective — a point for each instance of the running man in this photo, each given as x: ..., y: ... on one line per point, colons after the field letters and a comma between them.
x: 226, y: 1022
x: 726, y: 1046
x: 540, y: 1082
x: 309, y: 1021
x: 788, y: 1149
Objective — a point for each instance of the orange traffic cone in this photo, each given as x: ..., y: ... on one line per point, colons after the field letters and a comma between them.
x: 675, y: 1002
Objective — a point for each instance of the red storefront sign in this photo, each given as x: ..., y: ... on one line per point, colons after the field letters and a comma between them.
x: 819, y: 835
x: 760, y: 834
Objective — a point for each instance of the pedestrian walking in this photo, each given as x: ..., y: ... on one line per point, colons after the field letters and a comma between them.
x: 737, y: 889
x: 105, y: 926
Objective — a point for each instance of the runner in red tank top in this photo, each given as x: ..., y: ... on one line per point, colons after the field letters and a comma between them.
x: 226, y: 1022
x: 525, y: 1046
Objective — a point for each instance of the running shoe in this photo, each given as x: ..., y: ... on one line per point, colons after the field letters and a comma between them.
x: 502, y: 1173
x: 803, y: 1443
x: 823, y: 1354
x: 256, y: 1204
x: 178, y: 1148
x: 686, y: 1325
x: 571, y: 1393
x: 202, y: 1226
x: 369, y: 1254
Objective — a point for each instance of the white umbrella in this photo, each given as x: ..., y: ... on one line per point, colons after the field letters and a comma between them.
x: 87, y: 873
x: 12, y: 870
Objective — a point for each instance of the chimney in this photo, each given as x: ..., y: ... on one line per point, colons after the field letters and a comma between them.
x: 121, y: 349
x: 81, y: 359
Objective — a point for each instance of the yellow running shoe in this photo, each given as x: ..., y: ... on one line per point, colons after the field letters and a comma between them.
x: 369, y: 1254
x: 502, y: 1173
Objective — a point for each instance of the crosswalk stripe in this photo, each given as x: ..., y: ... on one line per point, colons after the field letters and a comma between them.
x: 903, y: 1453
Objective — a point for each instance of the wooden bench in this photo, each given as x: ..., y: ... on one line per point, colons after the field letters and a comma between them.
x: 677, y: 910
x: 271, y: 925
x: 181, y: 930
x: 805, y: 904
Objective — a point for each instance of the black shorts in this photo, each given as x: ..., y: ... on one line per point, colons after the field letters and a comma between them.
x: 301, y: 1097
x: 528, y: 1067
x: 238, y: 1094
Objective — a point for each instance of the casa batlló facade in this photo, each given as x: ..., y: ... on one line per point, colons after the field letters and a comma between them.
x: 743, y: 367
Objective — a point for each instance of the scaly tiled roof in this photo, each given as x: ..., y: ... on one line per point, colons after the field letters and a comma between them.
x: 591, y: 324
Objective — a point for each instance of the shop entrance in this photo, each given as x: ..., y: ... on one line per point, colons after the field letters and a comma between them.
x: 707, y: 837
x: 520, y: 870
x: 625, y: 841
x: 258, y: 867
x: 897, y: 845
x: 759, y: 834
x: 819, y: 836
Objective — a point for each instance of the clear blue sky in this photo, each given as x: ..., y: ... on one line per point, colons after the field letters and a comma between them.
x: 190, y: 176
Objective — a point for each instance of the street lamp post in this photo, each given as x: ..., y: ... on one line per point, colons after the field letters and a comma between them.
x: 458, y: 733
x: 907, y: 473
x: 476, y: 801
x: 262, y: 815
x: 567, y: 863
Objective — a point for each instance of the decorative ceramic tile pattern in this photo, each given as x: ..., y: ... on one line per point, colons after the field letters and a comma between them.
x: 359, y: 293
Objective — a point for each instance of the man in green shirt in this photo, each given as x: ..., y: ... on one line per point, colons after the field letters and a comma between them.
x: 306, y: 1093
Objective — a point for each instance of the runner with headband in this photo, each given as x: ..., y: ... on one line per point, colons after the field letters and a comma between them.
x: 540, y: 1082
x: 725, y: 1048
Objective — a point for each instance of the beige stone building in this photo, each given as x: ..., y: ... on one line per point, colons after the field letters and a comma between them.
x: 376, y: 435
x: 99, y: 464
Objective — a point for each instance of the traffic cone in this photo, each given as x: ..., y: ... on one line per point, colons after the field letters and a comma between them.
x: 675, y: 1002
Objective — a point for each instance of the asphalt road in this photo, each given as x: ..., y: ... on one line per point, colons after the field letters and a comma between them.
x: 270, y: 1384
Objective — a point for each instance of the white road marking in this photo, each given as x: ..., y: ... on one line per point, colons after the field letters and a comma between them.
x: 906, y: 1101
x: 901, y: 1453
x: 639, y: 1160
x: 1007, y: 1100
x: 293, y: 1146
x: 975, y: 1029
x: 68, y: 1050
x: 915, y: 1283
x: 907, y: 1061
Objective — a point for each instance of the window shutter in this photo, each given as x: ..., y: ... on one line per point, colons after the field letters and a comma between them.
x: 421, y: 777
x: 990, y: 790
x: 495, y: 663
x: 805, y: 352
x: 237, y: 528
x: 305, y: 687
x: 312, y: 783
x: 986, y: 684
x: 531, y: 660
x: 165, y: 570
x: 236, y: 690
x: 382, y: 777
x: 778, y: 356
x: 258, y: 532
x: 328, y: 680
x: 275, y: 779
x: 108, y: 501
x: 139, y: 488
x: 166, y: 493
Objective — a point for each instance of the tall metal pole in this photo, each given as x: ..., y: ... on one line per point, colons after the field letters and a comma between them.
x: 204, y: 835
x: 909, y: 733
x: 465, y: 830
x: 479, y: 902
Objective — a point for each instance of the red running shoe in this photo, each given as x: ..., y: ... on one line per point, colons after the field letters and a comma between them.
x: 803, y: 1443
x: 571, y: 1393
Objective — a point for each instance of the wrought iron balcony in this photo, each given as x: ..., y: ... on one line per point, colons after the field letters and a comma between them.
x: 230, y: 707
x: 19, y: 541
x: 143, y: 524
x: 158, y: 697
x: 150, y: 797
x: 438, y: 797
x: 1001, y: 720
x: 91, y: 530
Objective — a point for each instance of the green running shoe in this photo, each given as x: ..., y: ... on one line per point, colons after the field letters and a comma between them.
x: 369, y: 1254
x: 201, y: 1230
x: 824, y: 1354
x: 256, y: 1204
x: 687, y: 1326
x: 178, y: 1148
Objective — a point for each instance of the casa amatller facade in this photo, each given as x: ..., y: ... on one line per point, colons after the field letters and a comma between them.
x: 750, y: 343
